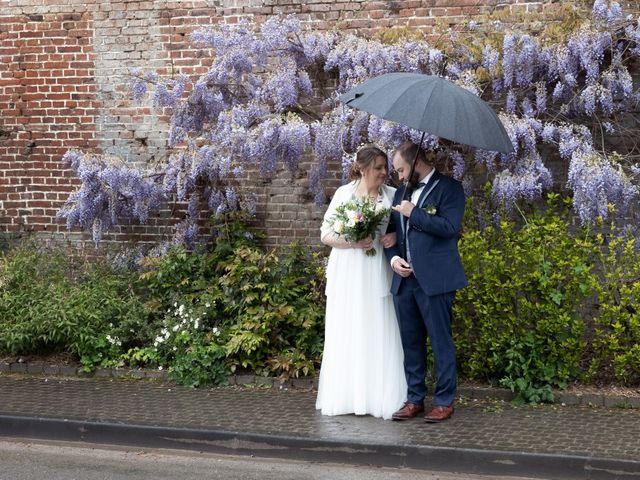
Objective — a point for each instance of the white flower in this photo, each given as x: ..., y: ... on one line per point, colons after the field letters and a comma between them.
x: 196, y: 324
x: 160, y: 367
x: 352, y: 215
x: 338, y: 226
x: 379, y: 207
x: 207, y: 305
x: 216, y: 331
x: 175, y: 328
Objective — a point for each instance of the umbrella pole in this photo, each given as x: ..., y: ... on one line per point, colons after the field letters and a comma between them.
x: 412, y: 170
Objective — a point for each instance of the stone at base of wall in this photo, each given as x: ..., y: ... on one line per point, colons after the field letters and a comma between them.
x: 465, y: 392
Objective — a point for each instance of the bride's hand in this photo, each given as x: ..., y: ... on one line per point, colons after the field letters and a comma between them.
x: 366, y: 244
x: 388, y: 240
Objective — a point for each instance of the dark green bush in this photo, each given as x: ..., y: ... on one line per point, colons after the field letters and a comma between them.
x: 52, y: 300
x: 265, y: 308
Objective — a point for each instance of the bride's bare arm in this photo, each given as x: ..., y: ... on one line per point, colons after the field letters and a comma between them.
x: 336, y: 241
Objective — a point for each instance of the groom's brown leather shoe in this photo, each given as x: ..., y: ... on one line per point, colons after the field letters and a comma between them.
x: 408, y: 410
x: 439, y: 414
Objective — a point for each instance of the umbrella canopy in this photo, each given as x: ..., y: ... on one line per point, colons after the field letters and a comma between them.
x: 434, y: 105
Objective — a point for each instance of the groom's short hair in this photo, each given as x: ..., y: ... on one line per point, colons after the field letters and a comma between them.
x: 408, y: 152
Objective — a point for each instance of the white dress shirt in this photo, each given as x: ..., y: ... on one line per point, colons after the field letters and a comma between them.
x: 415, y: 196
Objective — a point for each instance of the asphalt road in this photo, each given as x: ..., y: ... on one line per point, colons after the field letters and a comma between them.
x: 22, y: 460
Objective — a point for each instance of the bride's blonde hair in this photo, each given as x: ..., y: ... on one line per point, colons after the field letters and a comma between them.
x: 365, y: 157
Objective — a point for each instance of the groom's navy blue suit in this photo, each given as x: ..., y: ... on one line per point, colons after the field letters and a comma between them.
x: 423, y: 300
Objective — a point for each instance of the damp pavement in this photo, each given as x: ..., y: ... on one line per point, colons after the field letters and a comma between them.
x: 571, y: 439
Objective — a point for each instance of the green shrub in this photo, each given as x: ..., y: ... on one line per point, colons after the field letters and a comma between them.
x: 520, y: 321
x: 616, y: 336
x: 265, y: 308
x: 52, y: 300
x: 275, y: 310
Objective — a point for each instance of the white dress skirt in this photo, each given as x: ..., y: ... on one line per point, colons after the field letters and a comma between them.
x: 362, y: 364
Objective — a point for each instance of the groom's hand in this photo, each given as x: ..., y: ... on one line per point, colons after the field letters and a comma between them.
x: 405, y: 208
x: 401, y: 267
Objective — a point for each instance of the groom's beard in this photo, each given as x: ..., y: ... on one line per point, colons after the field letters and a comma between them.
x: 410, y: 185
x: 415, y: 178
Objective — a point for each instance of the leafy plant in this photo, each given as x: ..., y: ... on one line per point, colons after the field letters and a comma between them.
x: 616, y: 338
x: 52, y: 299
x: 520, y: 322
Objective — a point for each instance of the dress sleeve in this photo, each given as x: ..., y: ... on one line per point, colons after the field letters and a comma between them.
x: 336, y: 201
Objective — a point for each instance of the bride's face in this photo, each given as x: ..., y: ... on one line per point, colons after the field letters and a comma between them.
x: 376, y: 174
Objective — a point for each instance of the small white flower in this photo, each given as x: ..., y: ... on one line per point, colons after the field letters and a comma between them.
x: 338, y: 226
x: 207, y: 304
x: 196, y: 324
x: 175, y: 349
x: 160, y: 367
x: 175, y: 328
x: 216, y: 331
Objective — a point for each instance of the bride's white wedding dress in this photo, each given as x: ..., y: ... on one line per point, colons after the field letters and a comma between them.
x: 362, y: 365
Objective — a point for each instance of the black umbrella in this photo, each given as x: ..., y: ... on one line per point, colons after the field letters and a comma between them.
x: 433, y: 105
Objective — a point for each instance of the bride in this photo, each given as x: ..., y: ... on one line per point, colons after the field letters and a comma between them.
x: 362, y: 365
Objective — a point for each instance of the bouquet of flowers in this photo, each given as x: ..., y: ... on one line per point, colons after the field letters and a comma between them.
x: 358, y: 219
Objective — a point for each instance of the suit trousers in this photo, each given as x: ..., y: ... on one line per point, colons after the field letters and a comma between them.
x: 420, y: 315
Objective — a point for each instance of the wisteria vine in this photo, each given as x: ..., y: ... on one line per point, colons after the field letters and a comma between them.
x: 250, y: 111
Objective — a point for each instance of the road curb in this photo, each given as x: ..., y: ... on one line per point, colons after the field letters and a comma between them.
x: 457, y: 460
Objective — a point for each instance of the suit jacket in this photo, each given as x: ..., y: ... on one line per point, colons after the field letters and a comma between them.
x: 433, y: 238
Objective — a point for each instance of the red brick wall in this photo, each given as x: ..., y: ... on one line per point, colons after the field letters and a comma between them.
x: 63, y: 64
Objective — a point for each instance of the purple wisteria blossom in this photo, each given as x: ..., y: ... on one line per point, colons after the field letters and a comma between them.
x: 596, y: 182
x: 110, y: 193
x: 254, y: 113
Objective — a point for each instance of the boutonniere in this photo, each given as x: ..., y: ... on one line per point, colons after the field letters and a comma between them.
x: 430, y: 209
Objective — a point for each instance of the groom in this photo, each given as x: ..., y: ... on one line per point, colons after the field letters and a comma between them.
x: 427, y: 273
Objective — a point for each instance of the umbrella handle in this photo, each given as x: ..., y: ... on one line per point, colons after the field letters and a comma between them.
x: 411, y: 172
